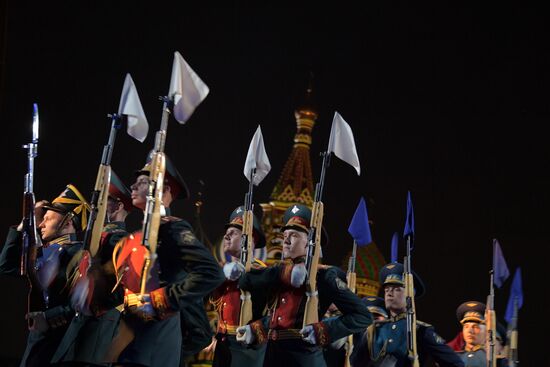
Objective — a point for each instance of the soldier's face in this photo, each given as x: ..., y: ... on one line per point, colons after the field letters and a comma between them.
x: 473, y: 333
x: 232, y: 241
x: 112, y: 206
x: 294, y: 243
x: 49, y: 225
x: 394, y: 297
x: 139, y: 191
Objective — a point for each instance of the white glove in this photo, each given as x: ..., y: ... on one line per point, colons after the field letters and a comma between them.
x: 298, y: 275
x: 308, y: 334
x: 233, y: 270
x: 338, y: 343
x: 245, y: 335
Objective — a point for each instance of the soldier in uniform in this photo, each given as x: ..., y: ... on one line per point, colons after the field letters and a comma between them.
x: 335, y: 354
x: 227, y: 298
x: 288, y: 344
x: 64, y: 218
x: 471, y: 316
x: 470, y: 343
x: 92, y: 330
x: 184, y: 273
x: 384, y: 343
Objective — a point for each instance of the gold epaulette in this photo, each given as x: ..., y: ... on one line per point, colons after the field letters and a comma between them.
x: 422, y: 323
x: 258, y: 264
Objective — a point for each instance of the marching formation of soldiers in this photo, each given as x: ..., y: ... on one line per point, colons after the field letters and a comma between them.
x: 101, y: 296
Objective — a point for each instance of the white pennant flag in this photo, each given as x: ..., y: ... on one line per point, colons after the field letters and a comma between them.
x: 131, y: 107
x: 257, y: 158
x: 186, y: 89
x: 341, y: 142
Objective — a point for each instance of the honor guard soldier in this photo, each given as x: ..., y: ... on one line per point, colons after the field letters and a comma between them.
x: 89, y: 336
x: 227, y: 298
x: 64, y: 218
x: 385, y: 341
x: 471, y: 316
x: 171, y: 313
x: 288, y: 344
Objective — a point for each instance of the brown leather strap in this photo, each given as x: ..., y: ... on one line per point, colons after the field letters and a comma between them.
x: 284, y: 334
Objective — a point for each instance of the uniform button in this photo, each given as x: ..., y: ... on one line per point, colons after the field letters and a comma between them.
x: 390, y: 340
x: 393, y: 327
x: 470, y: 355
x: 279, y: 318
x: 224, y: 303
x: 283, y: 300
x: 134, y: 249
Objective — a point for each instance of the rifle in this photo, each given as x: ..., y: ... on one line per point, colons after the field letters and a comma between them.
x: 491, y: 329
x: 311, y: 312
x: 31, y: 240
x: 512, y: 332
x: 100, y: 195
x: 152, y: 214
x: 246, y: 251
x: 351, y: 277
x: 30, y: 233
x: 411, y: 308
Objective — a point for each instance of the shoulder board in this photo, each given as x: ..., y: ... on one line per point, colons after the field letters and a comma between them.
x: 169, y: 218
x: 110, y: 227
x: 258, y: 264
x: 422, y: 323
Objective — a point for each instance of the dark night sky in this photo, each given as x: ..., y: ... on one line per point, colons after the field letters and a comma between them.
x: 447, y: 101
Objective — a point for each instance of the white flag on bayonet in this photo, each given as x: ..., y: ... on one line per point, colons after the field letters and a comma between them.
x: 341, y: 142
x: 186, y: 89
x: 131, y: 107
x: 257, y: 158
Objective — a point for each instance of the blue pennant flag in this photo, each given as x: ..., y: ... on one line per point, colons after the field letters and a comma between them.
x: 500, y: 269
x: 394, y: 247
x: 359, y: 226
x: 409, y: 221
x: 516, y: 293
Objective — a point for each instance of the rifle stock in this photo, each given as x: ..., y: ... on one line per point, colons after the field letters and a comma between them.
x: 512, y: 347
x: 490, y: 320
x: 411, y: 313
x: 246, y: 257
x: 512, y: 354
x: 311, y: 312
x: 352, y: 279
x: 151, y: 221
x: 100, y: 195
x: 99, y: 209
x: 491, y: 324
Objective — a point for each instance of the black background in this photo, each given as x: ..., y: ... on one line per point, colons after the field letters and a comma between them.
x: 446, y: 100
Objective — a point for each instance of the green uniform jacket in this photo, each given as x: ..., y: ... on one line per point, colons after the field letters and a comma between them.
x: 332, y: 288
x: 88, y: 337
x: 187, y: 273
